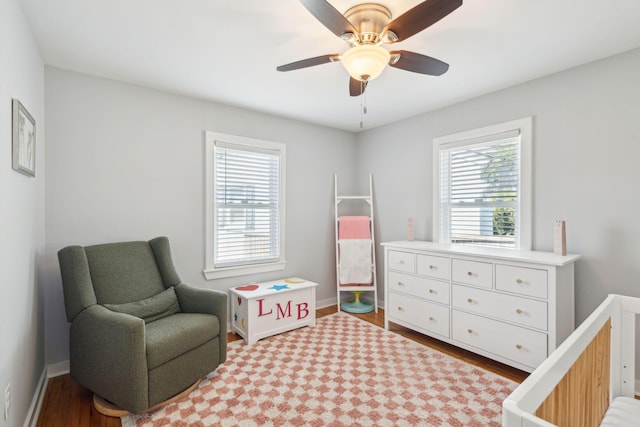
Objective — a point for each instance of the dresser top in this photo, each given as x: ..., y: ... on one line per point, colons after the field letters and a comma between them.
x: 535, y: 257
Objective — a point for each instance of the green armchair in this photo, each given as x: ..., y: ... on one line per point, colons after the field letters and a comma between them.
x: 138, y: 336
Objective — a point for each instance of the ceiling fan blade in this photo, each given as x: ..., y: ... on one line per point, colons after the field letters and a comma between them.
x: 420, y: 17
x: 309, y: 62
x: 418, y: 63
x: 356, y: 87
x: 329, y: 17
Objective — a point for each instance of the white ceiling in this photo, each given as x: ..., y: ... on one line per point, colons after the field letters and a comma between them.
x: 227, y: 50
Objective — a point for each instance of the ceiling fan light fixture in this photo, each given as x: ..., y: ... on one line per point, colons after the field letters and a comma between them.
x: 365, y: 62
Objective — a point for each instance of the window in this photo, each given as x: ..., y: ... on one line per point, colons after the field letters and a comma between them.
x: 245, y: 206
x: 482, y: 192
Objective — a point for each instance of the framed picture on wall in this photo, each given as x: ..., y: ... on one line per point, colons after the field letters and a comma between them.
x: 24, y: 140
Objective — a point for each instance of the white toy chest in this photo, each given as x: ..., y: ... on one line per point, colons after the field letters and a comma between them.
x: 260, y: 310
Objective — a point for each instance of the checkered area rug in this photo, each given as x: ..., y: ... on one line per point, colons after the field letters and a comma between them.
x: 342, y: 372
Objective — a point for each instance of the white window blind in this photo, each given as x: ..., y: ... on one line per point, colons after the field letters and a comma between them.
x: 480, y: 191
x: 247, y: 205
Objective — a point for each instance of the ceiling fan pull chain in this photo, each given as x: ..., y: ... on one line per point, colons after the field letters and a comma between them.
x: 362, y: 106
x: 364, y: 95
x: 363, y: 102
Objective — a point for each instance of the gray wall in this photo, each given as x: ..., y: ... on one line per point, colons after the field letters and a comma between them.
x: 586, y: 149
x: 22, y: 219
x: 127, y: 163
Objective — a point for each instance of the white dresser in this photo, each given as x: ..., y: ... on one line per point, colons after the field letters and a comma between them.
x: 515, y: 307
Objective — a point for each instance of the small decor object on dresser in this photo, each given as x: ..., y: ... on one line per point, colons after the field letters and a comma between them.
x: 24, y: 140
x: 410, y: 229
x: 260, y: 310
x: 559, y: 238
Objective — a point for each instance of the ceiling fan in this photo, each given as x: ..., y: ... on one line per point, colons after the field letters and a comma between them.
x: 366, y: 28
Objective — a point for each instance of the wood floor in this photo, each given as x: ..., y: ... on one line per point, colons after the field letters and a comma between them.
x: 68, y: 404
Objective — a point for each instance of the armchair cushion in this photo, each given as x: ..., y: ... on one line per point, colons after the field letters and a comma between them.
x: 150, y: 309
x: 169, y: 337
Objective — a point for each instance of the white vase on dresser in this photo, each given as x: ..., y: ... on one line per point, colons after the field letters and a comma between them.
x: 512, y: 306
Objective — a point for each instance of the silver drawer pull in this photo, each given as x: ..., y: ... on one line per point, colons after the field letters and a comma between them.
x: 401, y: 262
x: 400, y: 309
x: 400, y: 284
x: 431, y: 291
x: 431, y: 318
x: 469, y: 273
x: 518, y: 346
x: 519, y: 281
x: 433, y: 267
x: 518, y: 311
x: 470, y: 331
x: 469, y: 300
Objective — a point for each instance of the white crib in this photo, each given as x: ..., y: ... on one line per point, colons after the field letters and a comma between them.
x: 589, y: 379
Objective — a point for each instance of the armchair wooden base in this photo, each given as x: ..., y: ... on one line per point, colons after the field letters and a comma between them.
x: 110, y: 410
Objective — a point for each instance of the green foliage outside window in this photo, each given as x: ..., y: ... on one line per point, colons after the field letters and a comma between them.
x: 499, y: 166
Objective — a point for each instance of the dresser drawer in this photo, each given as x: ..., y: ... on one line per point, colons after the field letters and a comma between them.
x: 512, y: 342
x: 472, y: 272
x: 401, y: 261
x: 524, y: 311
x: 421, y: 287
x: 423, y: 314
x: 433, y: 266
x: 522, y: 280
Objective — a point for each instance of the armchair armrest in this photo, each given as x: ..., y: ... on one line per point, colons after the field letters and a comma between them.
x: 108, y: 356
x: 195, y: 300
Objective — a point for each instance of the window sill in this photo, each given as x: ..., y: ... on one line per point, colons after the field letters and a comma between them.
x: 244, y: 270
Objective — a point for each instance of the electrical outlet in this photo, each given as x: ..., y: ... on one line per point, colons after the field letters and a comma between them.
x: 7, y: 401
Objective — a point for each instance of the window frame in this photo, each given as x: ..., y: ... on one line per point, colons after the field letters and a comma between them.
x: 252, y: 144
x: 525, y: 128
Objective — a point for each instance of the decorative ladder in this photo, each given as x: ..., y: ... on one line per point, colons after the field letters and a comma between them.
x: 360, y: 288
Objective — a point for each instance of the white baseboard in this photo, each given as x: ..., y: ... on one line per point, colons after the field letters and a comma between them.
x: 325, y: 302
x: 57, y: 369
x: 49, y: 371
x: 36, y: 402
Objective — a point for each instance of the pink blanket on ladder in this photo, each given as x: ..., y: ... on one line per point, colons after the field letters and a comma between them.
x: 353, y: 227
